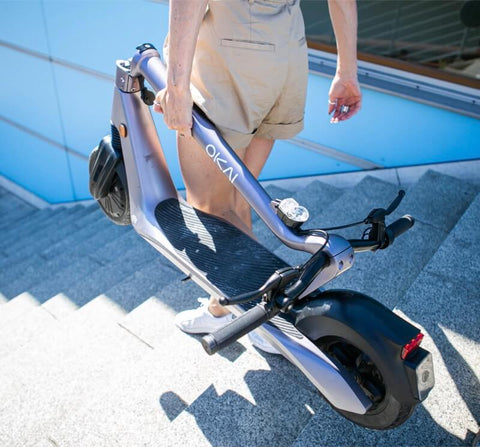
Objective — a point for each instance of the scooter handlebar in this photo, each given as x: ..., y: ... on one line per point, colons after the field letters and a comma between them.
x: 250, y: 320
x: 399, y: 227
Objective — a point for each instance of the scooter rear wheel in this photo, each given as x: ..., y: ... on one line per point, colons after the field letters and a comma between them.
x: 116, y: 204
x: 386, y: 412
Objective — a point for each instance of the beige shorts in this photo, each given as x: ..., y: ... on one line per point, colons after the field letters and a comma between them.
x: 250, y: 69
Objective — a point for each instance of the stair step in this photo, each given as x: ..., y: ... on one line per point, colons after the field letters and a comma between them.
x: 28, y: 319
x: 60, y: 306
x: 73, y: 216
x: 18, y: 263
x: 96, y: 228
x: 143, y: 284
x: 37, y: 319
x: 115, y: 250
x: 63, y: 369
x: 53, y: 233
x: 154, y: 380
x: 27, y: 218
x: 35, y: 237
x: 13, y: 208
x: 10, y: 218
x: 16, y: 307
x: 68, y: 250
x: 438, y: 200
x: 443, y: 302
x: 315, y: 197
x: 23, y: 220
x: 22, y: 329
x: 152, y: 321
x: 84, y: 279
x: 458, y: 255
x: 242, y: 408
x: 58, y: 281
x: 10, y: 234
x: 327, y: 428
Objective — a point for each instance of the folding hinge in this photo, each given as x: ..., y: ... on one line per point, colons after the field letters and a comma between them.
x: 124, y: 81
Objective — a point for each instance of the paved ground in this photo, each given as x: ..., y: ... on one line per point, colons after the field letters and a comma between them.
x: 90, y: 357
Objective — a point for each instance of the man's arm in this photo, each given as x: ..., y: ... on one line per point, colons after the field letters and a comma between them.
x: 345, y: 90
x: 175, y: 101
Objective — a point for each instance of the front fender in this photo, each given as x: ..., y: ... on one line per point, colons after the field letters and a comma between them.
x: 366, y: 324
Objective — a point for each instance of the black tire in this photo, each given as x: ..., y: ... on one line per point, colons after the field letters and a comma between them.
x: 386, y: 412
x: 116, y: 205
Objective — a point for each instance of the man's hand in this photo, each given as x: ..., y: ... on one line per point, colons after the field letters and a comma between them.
x: 344, y: 98
x: 176, y: 106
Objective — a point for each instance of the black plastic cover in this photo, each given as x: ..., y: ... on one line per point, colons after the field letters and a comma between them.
x: 102, y: 165
x: 145, y: 46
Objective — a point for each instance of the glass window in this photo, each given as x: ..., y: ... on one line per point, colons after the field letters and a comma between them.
x: 438, y: 38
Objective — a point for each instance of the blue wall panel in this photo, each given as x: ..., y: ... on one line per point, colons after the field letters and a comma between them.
x: 22, y: 24
x: 86, y: 105
x: 289, y: 160
x: 35, y: 164
x: 28, y: 96
x: 390, y: 130
x: 79, y: 169
x: 94, y: 34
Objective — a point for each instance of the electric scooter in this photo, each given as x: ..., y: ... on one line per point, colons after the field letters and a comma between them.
x: 364, y: 359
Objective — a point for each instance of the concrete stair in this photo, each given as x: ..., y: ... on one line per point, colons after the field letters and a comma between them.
x: 89, y: 354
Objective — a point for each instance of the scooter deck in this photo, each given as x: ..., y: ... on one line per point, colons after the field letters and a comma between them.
x: 228, y: 258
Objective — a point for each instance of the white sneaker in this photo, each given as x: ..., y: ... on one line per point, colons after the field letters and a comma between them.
x: 200, y: 320
x: 259, y: 342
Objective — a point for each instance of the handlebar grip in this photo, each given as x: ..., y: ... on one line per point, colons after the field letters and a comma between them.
x: 399, y: 227
x: 240, y: 326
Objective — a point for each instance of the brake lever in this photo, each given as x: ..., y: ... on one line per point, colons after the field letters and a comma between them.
x: 394, y: 205
x: 276, y: 282
x: 378, y: 214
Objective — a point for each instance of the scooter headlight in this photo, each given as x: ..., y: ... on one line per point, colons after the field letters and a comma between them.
x: 291, y: 213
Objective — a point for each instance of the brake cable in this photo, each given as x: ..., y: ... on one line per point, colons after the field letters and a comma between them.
x: 375, y: 216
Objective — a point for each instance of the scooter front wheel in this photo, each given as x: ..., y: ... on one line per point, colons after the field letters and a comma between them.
x: 386, y: 411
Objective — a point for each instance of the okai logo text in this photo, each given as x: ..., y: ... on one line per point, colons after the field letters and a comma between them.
x: 213, y: 153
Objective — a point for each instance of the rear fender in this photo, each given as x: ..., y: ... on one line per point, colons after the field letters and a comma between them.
x: 368, y: 325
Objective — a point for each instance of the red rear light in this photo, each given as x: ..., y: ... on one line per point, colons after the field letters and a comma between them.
x: 410, y: 347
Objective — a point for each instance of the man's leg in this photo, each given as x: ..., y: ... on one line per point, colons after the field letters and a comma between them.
x: 256, y: 155
x: 210, y: 191
x: 207, y: 188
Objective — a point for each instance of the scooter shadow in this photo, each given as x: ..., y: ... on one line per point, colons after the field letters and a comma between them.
x: 280, y: 412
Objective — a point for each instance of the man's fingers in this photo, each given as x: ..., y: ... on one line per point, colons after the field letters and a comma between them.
x: 332, y: 104
x: 344, y: 110
x: 352, y: 110
x: 159, y: 102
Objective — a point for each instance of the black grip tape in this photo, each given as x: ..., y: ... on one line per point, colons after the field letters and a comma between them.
x: 240, y: 326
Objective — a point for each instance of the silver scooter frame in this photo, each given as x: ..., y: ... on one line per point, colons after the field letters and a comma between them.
x: 149, y: 183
